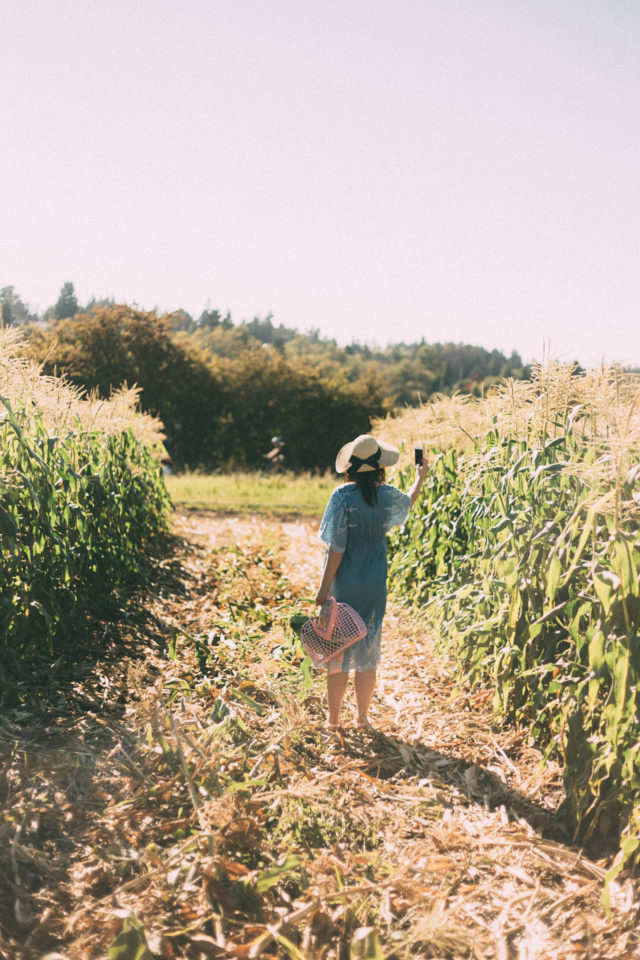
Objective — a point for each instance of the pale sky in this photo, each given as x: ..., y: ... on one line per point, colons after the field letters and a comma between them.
x: 382, y: 170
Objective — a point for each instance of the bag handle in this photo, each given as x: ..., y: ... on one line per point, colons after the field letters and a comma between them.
x: 326, y: 619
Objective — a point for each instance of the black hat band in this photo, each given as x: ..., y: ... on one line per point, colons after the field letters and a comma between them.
x: 359, y: 462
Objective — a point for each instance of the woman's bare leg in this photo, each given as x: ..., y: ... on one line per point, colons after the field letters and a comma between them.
x: 365, y: 683
x: 336, y: 687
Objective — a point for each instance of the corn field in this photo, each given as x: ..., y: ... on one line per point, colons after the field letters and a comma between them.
x: 81, y: 493
x: 527, y: 549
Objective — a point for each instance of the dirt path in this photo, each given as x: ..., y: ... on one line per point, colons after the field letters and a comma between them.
x: 518, y: 888
x: 436, y: 836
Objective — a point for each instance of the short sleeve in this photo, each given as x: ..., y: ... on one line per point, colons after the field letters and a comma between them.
x: 333, y: 528
x: 397, y: 509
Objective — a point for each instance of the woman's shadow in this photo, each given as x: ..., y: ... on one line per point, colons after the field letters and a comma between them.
x: 391, y: 758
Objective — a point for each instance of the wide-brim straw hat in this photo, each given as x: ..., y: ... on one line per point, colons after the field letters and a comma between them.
x: 366, y: 453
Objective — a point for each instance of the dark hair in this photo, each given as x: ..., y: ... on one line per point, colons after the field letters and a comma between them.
x: 367, y: 483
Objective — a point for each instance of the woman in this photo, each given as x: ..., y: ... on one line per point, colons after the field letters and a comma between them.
x: 354, y: 525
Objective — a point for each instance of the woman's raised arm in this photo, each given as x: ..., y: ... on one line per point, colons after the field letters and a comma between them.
x: 421, y: 475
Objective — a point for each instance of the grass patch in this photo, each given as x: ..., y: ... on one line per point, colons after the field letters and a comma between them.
x: 289, y: 493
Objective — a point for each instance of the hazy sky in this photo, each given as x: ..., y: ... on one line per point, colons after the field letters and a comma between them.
x: 382, y: 170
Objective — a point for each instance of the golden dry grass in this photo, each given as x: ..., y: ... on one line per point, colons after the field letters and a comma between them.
x: 601, y: 407
x: 65, y: 407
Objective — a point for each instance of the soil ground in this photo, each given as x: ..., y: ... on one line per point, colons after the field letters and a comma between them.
x: 448, y: 843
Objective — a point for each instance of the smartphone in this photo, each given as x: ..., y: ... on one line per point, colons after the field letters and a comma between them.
x: 418, y: 454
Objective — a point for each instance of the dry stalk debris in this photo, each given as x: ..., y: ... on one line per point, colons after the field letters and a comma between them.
x: 185, y: 802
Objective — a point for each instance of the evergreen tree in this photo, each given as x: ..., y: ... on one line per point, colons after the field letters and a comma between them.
x: 67, y: 305
x: 14, y: 311
x: 209, y: 319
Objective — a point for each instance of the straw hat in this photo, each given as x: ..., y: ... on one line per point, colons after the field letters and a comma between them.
x: 366, y: 453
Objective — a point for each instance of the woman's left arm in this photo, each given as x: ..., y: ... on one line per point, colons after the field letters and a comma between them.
x: 333, y: 561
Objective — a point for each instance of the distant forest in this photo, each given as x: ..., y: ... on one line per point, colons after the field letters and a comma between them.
x: 223, y: 389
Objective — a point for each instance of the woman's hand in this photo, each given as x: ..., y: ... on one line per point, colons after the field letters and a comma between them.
x: 422, y: 469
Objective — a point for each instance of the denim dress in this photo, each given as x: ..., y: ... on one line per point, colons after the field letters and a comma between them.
x: 354, y: 528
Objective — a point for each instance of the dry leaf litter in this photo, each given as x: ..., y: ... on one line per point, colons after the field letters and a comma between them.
x: 182, y: 800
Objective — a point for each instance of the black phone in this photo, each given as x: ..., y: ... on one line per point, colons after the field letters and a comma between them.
x: 418, y: 455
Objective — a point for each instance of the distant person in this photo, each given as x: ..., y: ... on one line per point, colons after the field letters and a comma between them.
x: 357, y: 518
x: 277, y: 456
x: 166, y: 459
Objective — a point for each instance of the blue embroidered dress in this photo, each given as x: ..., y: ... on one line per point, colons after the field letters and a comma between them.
x: 353, y: 527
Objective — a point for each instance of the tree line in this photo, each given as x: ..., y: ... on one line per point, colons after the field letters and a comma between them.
x: 217, y: 412
x: 222, y: 388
